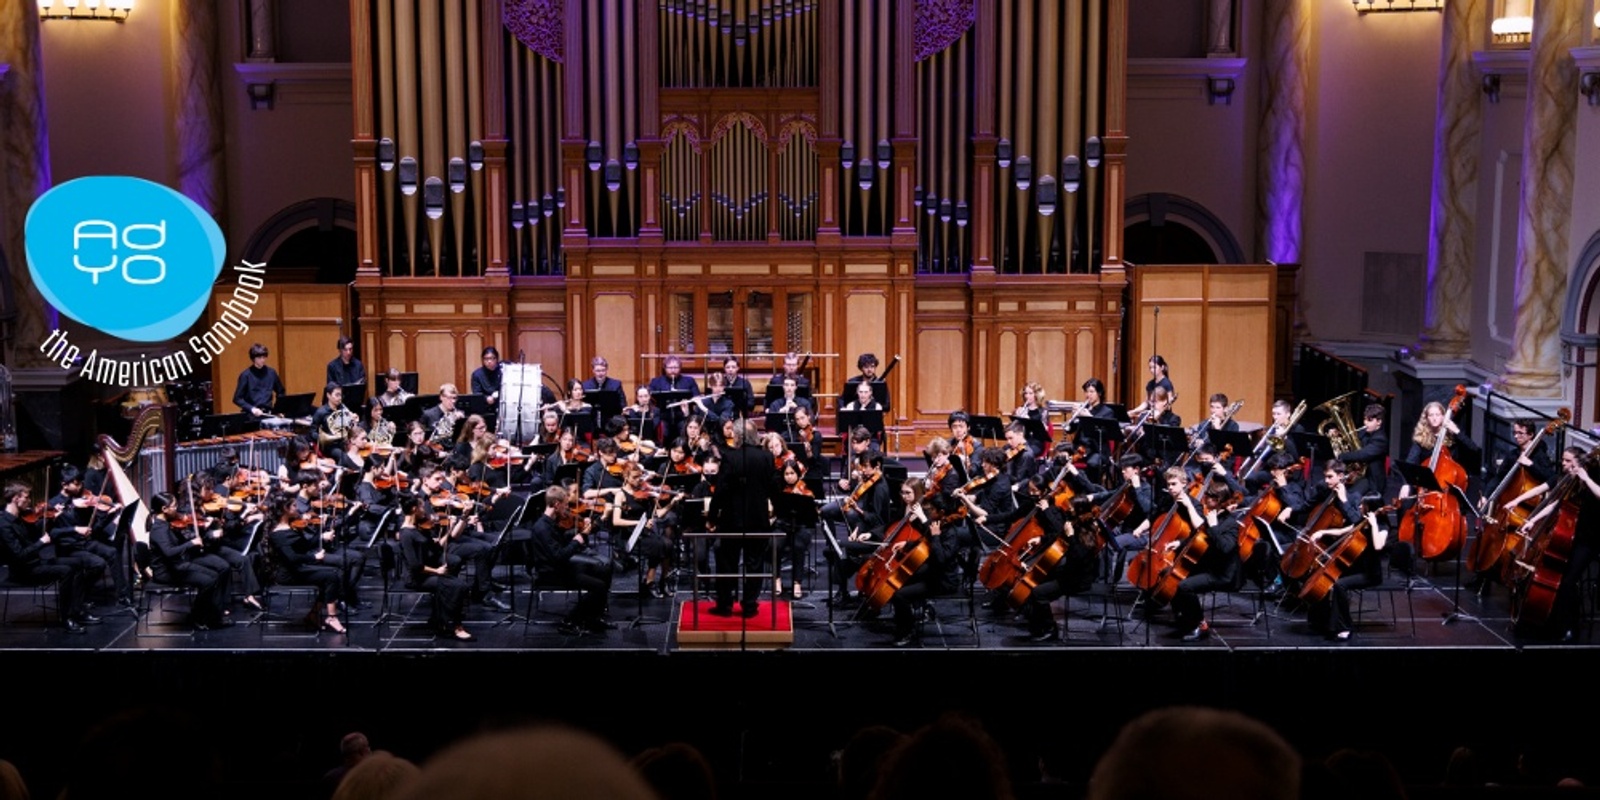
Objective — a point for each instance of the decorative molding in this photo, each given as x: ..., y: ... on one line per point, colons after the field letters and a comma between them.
x: 295, y: 83
x: 941, y: 23
x: 1230, y: 68
x: 539, y: 24
x: 1506, y: 63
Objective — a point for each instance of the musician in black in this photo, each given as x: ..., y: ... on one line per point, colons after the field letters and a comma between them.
x: 88, y: 524
x: 258, y: 385
x: 735, y: 382
x: 867, y: 364
x: 716, y: 405
x: 1093, y: 405
x: 601, y: 380
x: 1537, y: 462
x: 1330, y: 616
x: 297, y: 560
x: 347, y: 370
x: 178, y: 558
x: 807, y: 435
x: 672, y: 379
x: 1075, y: 572
x: 1021, y: 466
x: 1294, y: 500
x: 1218, y: 568
x: 33, y: 561
x: 1586, y: 538
x: 428, y: 568
x: 791, y: 400
x: 791, y: 369
x: 643, y: 417
x: 853, y: 526
x: 441, y: 420
x: 1159, y: 379
x: 938, y: 574
x: 1133, y: 532
x: 1372, y: 454
x: 798, y: 535
x: 393, y: 393
x: 486, y: 379
x: 1160, y: 413
x: 561, y: 559
x: 1434, y: 431
x: 747, y: 481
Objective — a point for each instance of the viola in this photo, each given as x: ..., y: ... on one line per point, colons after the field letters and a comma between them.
x: 219, y: 504
x: 103, y: 503
x: 397, y: 480
x: 616, y: 470
x: 189, y: 522
x: 799, y: 488
x: 40, y: 511
x: 333, y: 502
x: 866, y: 484
x: 935, y: 478
x: 685, y: 467
x: 306, y: 521
x: 455, y: 500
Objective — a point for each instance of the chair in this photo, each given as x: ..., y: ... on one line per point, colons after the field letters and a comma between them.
x: 1358, y: 605
x: 536, y: 591
x: 44, y: 594
x: 153, y: 596
x: 270, y: 589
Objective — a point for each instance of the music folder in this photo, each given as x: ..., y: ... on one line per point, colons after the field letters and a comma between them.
x: 1163, y: 440
x: 1315, y: 445
x: 1417, y: 475
x: 663, y: 399
x: 781, y: 422
x: 582, y: 422
x: 775, y: 391
x: 1119, y: 412
x: 798, y: 507
x: 1095, y: 433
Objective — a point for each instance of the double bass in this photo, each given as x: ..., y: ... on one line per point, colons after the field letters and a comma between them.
x: 1535, y: 574
x: 1502, y: 527
x: 1435, y: 525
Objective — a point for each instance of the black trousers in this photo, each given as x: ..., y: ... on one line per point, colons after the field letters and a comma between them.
x: 592, y: 578
x: 753, y: 553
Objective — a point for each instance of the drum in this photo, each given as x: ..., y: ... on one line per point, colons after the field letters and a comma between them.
x: 283, y: 424
x: 519, y: 401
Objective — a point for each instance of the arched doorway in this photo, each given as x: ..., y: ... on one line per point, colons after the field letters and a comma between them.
x: 1160, y: 228
x: 316, y: 238
x: 1580, y: 334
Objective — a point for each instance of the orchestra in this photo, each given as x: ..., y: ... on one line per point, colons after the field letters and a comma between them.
x: 1182, y: 522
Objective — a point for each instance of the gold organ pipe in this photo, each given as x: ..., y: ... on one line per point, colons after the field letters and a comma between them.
x: 455, y: 132
x: 407, y: 131
x: 433, y: 122
x: 384, y: 67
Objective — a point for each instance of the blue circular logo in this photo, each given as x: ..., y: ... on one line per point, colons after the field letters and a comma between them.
x: 126, y: 256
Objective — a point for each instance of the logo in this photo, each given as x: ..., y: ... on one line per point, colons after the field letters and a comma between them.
x: 126, y: 256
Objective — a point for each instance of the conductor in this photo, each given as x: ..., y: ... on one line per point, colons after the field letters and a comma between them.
x: 740, y: 504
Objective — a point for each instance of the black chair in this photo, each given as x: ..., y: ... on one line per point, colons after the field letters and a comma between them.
x: 44, y: 594
x: 153, y: 597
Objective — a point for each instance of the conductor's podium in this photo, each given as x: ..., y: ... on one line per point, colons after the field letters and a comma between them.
x: 772, y: 628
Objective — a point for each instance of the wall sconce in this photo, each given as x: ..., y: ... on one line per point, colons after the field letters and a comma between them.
x: 885, y: 153
x: 946, y: 210
x: 107, y: 10
x: 518, y: 215
x: 916, y: 197
x: 547, y: 205
x: 456, y: 171
x: 1512, y: 25
x: 847, y: 155
x: 864, y: 175
x: 1491, y: 87
x: 1220, y: 91
x: 931, y: 203
x: 592, y: 156
x: 433, y: 197
x: 1093, y: 150
x: 630, y: 156
x: 261, y: 95
x: 1023, y: 173
x: 1589, y: 87
x: 962, y: 215
x: 475, y: 155
x: 1047, y: 196
x: 1002, y: 153
x: 613, y: 175
x: 408, y: 176
x: 1071, y: 174
x: 1388, y: 6
x: 386, y: 154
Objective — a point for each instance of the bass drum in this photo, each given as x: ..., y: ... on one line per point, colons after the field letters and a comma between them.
x: 519, y: 402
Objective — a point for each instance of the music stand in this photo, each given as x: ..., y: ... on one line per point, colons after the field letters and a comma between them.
x: 871, y: 420
x: 782, y: 422
x: 570, y: 471
x: 775, y: 391
x: 582, y: 423
x: 741, y: 398
x: 801, y: 511
x: 1319, y: 447
x: 607, y: 401
x: 408, y: 382
x: 1161, y: 441
x: 880, y: 392
x: 227, y: 424
x: 474, y: 404
x: 1423, y: 478
x: 1035, y: 430
x: 1097, y: 434
x: 355, y: 394
x: 1238, y: 440
x: 294, y: 406
x: 404, y: 414
x: 984, y: 427
x: 537, y: 453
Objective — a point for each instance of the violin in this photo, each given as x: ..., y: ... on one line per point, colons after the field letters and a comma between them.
x: 580, y: 455
x: 455, y: 500
x: 219, y: 504
x: 392, y: 480
x: 333, y: 502
x: 799, y: 488
x: 616, y: 469
x: 866, y: 484
x: 42, y: 510
x: 500, y: 457
x: 104, y: 503
x: 685, y: 467
x: 189, y: 522
x: 306, y: 521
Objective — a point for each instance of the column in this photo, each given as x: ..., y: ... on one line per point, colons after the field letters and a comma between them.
x: 1285, y: 45
x: 25, y: 170
x: 202, y: 175
x: 1453, y: 225
x: 1549, y: 141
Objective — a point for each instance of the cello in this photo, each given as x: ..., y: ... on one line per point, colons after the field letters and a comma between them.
x: 1435, y: 525
x: 1005, y: 564
x: 1501, y: 532
x: 1331, y: 561
x: 1305, y: 554
x: 1535, y: 575
x: 1182, y: 561
x: 904, y: 550
x: 1147, y: 567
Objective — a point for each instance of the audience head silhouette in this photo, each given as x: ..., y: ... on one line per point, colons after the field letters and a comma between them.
x: 1204, y: 753
x: 539, y: 763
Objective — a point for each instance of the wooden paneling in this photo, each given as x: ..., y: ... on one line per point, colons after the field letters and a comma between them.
x: 941, y: 381
x: 297, y: 324
x: 1216, y: 327
x: 614, y: 338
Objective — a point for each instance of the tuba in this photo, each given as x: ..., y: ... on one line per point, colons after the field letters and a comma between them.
x: 335, y: 428
x: 1341, y: 430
